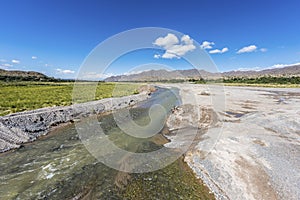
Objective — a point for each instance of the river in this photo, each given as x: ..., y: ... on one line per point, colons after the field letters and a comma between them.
x: 58, y: 165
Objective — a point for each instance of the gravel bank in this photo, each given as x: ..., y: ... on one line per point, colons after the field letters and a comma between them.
x: 251, y: 151
x: 23, y: 127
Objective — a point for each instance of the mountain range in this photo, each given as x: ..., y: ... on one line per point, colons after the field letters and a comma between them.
x: 164, y: 75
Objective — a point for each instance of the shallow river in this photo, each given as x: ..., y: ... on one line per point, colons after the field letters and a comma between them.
x: 58, y: 166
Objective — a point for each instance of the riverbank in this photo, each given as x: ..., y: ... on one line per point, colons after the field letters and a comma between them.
x: 239, y: 150
x: 251, y: 148
x: 58, y: 166
x: 23, y: 127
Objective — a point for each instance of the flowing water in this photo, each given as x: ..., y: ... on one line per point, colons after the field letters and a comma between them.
x: 58, y: 166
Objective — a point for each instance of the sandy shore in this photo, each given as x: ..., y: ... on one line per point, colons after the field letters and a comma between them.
x: 252, y: 149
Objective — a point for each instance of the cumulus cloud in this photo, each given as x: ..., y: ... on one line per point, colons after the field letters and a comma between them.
x: 169, y: 55
x: 167, y: 41
x: 15, y: 61
x: 225, y: 49
x: 186, y: 39
x: 207, y: 45
x: 247, y: 49
x: 33, y: 57
x: 65, y: 71
x: 173, y: 47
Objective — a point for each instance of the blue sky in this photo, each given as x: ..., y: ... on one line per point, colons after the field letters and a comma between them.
x: 54, y: 37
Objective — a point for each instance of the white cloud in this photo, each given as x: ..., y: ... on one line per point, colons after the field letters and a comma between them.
x: 247, y: 49
x: 33, y: 57
x: 136, y: 72
x: 263, y: 50
x: 249, y: 69
x: 167, y: 41
x: 207, y: 45
x: 94, y: 75
x: 3, y: 60
x: 173, y: 48
x: 269, y: 67
x: 169, y: 55
x: 186, y: 39
x: 282, y: 65
x: 146, y: 70
x: 15, y: 61
x: 5, y: 65
x: 65, y: 71
x: 225, y: 49
x: 156, y: 56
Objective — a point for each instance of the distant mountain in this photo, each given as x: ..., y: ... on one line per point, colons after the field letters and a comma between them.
x: 6, y: 75
x: 160, y: 75
x: 164, y: 75
x: 293, y: 70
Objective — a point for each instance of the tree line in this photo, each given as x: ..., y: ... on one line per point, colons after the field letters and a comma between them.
x: 264, y: 80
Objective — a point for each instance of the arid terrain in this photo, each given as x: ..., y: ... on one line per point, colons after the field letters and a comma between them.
x: 251, y: 145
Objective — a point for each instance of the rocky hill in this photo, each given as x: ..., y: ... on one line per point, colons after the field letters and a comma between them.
x: 6, y: 75
x: 164, y: 75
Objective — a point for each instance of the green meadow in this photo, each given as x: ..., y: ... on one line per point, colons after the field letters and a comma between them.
x: 24, y: 96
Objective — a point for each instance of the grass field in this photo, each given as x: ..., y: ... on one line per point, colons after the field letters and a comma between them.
x: 23, y: 96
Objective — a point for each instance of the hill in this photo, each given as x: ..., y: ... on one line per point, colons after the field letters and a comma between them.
x: 6, y: 75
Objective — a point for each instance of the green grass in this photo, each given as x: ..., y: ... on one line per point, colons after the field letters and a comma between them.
x: 23, y: 96
x: 263, y: 81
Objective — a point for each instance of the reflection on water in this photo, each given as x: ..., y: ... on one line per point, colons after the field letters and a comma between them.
x: 58, y: 166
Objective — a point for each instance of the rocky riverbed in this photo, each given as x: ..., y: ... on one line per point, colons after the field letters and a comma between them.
x: 251, y: 145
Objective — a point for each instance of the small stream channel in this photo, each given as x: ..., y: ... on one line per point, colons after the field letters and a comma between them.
x: 58, y: 166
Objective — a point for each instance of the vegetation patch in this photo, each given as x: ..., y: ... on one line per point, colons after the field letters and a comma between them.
x: 26, y: 95
x: 263, y: 81
x: 176, y: 181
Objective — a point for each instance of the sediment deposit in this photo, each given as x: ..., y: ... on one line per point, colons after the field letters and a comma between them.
x: 251, y: 147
